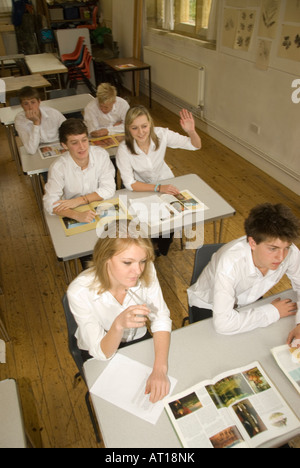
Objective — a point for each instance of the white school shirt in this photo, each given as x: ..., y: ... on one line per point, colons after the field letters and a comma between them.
x: 95, y: 119
x: 33, y: 135
x: 231, y: 280
x: 151, y: 167
x: 94, y: 313
x: 66, y: 180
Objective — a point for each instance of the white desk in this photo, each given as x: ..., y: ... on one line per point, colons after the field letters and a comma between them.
x: 76, y: 246
x: 45, y: 64
x: 197, y: 353
x: 12, y: 433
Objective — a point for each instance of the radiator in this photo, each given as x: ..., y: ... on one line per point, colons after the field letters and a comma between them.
x: 176, y: 75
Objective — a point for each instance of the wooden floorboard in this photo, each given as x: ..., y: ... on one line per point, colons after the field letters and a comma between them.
x: 33, y: 282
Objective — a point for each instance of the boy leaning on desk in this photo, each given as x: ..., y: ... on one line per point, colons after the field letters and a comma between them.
x: 36, y: 124
x: 243, y: 270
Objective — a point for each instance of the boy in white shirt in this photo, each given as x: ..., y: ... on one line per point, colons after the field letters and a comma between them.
x: 82, y: 175
x: 36, y: 124
x: 243, y: 270
x: 105, y: 115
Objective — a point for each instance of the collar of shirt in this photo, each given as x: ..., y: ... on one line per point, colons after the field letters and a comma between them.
x: 107, y: 297
x: 74, y: 165
x: 138, y: 150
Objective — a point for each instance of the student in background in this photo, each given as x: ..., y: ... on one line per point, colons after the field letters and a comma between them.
x: 141, y: 157
x: 113, y: 300
x: 36, y: 124
x: 243, y: 270
x: 105, y: 115
x: 80, y: 176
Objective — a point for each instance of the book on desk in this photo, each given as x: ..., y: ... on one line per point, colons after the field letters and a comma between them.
x: 106, y: 212
x: 240, y: 408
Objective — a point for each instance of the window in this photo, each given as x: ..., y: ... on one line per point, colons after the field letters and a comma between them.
x: 188, y: 17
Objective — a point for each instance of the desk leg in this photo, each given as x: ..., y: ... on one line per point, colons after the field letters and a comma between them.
x: 133, y: 83
x: 221, y: 231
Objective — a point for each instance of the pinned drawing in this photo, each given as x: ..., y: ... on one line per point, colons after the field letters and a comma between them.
x: 245, y: 28
x: 229, y: 27
x: 269, y: 18
x: 263, y: 54
x: 289, y: 44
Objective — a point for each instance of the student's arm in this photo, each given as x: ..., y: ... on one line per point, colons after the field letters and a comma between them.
x: 294, y: 335
x: 158, y: 384
x: 28, y: 132
x: 65, y: 208
x: 143, y: 187
x: 188, y: 124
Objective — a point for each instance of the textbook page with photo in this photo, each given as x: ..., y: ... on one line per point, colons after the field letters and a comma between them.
x: 106, y: 212
x: 51, y: 150
x: 240, y: 408
x: 288, y: 359
x: 108, y: 141
x: 165, y: 207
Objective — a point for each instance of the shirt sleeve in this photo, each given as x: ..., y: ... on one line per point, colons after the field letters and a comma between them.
x: 106, y: 177
x: 91, y: 117
x: 54, y: 187
x: 89, y: 330
x: 122, y: 108
x: 176, y: 140
x: 160, y: 313
x: 124, y: 166
x: 293, y: 274
x: 228, y: 320
x: 29, y: 133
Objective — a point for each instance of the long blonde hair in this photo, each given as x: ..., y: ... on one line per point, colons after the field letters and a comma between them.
x: 108, y: 246
x: 132, y: 114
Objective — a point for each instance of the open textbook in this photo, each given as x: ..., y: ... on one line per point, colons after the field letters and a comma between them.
x: 161, y: 208
x: 109, y: 141
x: 240, y: 408
x: 55, y: 149
x: 288, y: 359
x: 106, y: 212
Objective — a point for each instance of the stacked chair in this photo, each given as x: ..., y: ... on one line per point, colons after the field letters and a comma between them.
x: 79, y: 65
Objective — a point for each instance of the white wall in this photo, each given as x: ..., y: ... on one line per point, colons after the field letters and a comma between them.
x: 237, y: 95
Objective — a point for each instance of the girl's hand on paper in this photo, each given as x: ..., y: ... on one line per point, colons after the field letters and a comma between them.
x: 169, y: 189
x: 158, y: 385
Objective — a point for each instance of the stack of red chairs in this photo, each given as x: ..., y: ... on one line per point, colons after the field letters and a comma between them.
x: 78, y: 62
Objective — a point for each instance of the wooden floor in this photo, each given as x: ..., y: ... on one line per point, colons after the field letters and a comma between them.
x: 33, y: 283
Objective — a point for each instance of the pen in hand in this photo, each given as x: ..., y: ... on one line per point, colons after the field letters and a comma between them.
x: 139, y: 301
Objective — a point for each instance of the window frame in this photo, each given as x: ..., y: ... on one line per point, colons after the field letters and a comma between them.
x: 182, y: 28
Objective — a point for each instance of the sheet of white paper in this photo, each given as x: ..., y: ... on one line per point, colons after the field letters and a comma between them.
x: 123, y: 383
x: 2, y: 352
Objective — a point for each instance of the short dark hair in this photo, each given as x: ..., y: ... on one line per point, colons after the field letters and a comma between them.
x: 71, y: 127
x: 267, y: 221
x: 29, y: 93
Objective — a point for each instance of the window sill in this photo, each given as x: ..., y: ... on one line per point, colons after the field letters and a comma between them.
x: 182, y: 37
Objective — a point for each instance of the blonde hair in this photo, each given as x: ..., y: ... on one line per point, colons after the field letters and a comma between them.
x: 108, y: 246
x: 106, y: 93
x: 133, y: 114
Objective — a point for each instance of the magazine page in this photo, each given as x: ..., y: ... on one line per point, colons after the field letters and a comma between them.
x: 109, y: 141
x: 106, y: 212
x: 240, y: 408
x: 51, y: 150
x: 184, y: 202
x: 288, y: 359
x: 151, y: 208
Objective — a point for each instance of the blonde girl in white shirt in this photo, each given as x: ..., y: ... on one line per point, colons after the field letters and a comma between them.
x: 113, y: 300
x: 140, y: 158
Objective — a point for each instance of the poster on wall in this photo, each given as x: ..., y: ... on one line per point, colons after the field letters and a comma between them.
x: 289, y: 45
x: 245, y: 28
x: 269, y: 18
x: 229, y: 27
x: 263, y: 54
